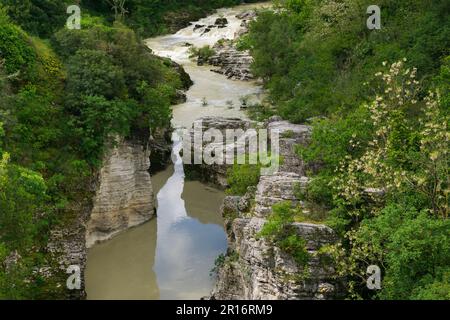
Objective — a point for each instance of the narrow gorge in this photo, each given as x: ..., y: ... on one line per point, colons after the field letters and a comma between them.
x: 170, y: 256
x: 214, y: 150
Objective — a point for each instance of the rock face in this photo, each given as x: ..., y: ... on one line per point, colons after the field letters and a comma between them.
x: 161, y: 149
x: 246, y: 18
x: 290, y: 136
x: 257, y: 270
x: 67, y: 246
x: 215, y: 173
x: 277, y: 188
x: 125, y: 196
x: 122, y: 198
x: 232, y: 63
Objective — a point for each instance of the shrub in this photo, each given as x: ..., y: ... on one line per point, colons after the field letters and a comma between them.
x: 279, y: 230
x: 202, y: 54
x: 240, y: 177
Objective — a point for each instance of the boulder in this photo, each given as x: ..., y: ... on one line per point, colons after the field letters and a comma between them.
x: 221, y: 22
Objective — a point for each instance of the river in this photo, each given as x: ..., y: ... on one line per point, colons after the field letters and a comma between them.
x: 171, y: 257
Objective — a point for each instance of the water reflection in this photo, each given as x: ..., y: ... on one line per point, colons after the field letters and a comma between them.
x: 187, y: 246
x: 169, y: 257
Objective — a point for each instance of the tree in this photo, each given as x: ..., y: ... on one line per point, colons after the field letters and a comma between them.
x: 119, y: 8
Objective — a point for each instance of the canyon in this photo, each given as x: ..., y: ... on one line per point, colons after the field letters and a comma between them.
x: 189, y: 233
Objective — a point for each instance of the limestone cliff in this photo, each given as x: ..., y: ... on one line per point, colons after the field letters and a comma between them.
x: 124, y: 197
x: 255, y: 269
x: 216, y: 173
x: 289, y: 135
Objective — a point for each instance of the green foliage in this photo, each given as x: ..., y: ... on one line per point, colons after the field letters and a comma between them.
x: 22, y: 198
x: 152, y: 17
x: 218, y: 263
x: 15, y: 49
x: 222, y: 260
x: 56, y: 120
x: 260, y: 112
x: 242, y: 176
x: 442, y: 81
x: 317, y: 60
x: 332, y: 140
x: 315, y: 55
x: 413, y: 249
x: 402, y: 155
x: 202, y: 54
x: 280, y: 231
x: 92, y: 72
x: 115, y: 86
x: 38, y: 17
x: 99, y: 121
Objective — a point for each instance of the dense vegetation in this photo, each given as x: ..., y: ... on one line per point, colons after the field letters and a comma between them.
x: 146, y: 17
x: 378, y: 101
x: 65, y: 95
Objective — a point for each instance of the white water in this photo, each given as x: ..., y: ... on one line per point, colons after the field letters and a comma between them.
x: 214, y: 88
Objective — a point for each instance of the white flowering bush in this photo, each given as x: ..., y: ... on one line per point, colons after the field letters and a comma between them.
x: 380, y: 172
x: 391, y: 198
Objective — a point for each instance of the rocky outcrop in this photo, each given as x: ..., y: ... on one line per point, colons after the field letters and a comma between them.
x: 228, y: 60
x: 255, y: 269
x: 125, y: 196
x: 221, y: 22
x: 247, y: 15
x: 246, y: 18
x: 161, y: 149
x: 290, y: 136
x: 277, y: 188
x: 67, y: 247
x: 215, y: 173
x: 231, y: 62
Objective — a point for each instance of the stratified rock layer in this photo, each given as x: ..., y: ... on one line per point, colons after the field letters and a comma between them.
x: 231, y: 62
x: 214, y: 173
x: 257, y: 270
x: 125, y: 196
x: 290, y: 136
